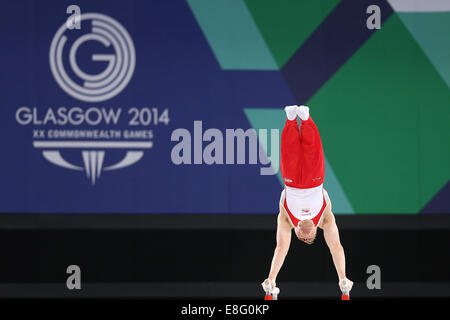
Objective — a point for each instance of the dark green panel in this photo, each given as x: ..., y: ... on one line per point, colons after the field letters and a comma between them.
x: 286, y: 24
x: 382, y: 117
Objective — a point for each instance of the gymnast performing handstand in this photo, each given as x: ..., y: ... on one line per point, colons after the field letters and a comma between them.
x: 304, y: 203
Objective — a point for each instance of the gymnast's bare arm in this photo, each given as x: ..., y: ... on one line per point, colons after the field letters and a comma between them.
x: 283, y: 242
x: 331, y: 235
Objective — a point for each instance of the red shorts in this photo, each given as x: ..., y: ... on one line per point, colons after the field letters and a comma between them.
x: 302, y: 161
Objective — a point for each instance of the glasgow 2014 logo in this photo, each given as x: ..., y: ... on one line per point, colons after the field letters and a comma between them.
x: 92, y: 131
x: 114, y: 78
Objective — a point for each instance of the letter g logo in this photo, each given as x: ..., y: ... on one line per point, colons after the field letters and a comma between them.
x: 106, y: 84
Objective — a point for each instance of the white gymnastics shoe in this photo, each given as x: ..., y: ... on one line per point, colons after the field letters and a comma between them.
x: 291, y: 112
x: 303, y: 112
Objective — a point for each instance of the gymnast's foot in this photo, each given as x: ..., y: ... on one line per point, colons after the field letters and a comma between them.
x: 303, y: 112
x: 291, y: 112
